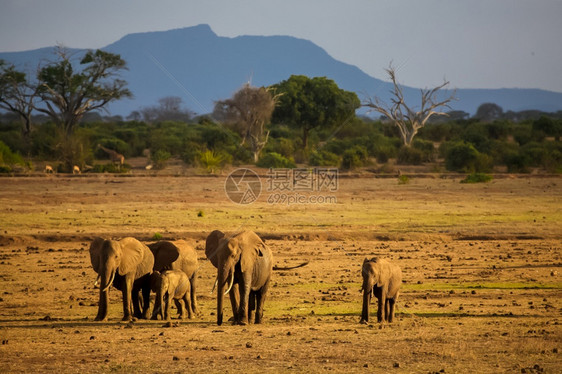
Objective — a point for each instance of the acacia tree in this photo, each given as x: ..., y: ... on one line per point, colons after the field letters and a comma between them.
x: 248, y: 112
x: 17, y: 95
x: 68, y: 93
x: 309, y: 103
x: 406, y: 118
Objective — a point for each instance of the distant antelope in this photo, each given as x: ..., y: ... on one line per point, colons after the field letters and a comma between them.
x: 116, y: 158
x: 76, y: 170
x: 49, y: 169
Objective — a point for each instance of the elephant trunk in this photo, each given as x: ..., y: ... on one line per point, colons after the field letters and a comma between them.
x: 222, y: 276
x: 163, y: 306
x: 367, y: 294
x: 108, y: 284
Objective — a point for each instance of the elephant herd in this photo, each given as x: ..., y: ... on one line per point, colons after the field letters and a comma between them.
x: 244, y: 268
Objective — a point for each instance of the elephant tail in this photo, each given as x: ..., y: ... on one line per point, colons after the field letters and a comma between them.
x: 290, y: 267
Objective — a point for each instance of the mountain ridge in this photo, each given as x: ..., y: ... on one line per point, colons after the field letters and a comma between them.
x: 202, y: 67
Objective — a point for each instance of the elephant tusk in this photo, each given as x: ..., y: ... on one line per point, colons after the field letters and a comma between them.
x: 97, y: 282
x: 231, y: 282
x: 215, y: 285
x: 110, y: 282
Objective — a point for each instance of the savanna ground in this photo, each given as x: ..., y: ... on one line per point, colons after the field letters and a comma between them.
x: 482, y: 287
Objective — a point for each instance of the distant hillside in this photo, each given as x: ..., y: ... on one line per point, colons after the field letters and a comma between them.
x: 201, y: 67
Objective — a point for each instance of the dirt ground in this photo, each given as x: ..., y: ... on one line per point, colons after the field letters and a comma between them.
x: 482, y: 287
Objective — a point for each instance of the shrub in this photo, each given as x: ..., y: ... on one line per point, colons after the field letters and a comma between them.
x: 427, y: 148
x: 516, y: 162
x: 159, y: 158
x: 465, y: 158
x: 354, y: 157
x: 212, y: 161
x: 410, y: 156
x: 275, y: 160
x: 477, y: 178
x: 323, y: 158
x: 157, y: 236
x: 403, y: 179
x: 9, y: 158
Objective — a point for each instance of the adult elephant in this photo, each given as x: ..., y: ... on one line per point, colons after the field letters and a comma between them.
x: 382, y: 279
x: 176, y: 255
x: 126, y: 264
x: 242, y: 260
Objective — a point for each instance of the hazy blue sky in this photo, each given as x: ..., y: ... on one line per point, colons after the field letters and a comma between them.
x: 472, y: 43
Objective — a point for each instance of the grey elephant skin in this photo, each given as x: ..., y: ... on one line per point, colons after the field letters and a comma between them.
x: 176, y: 255
x: 172, y: 285
x: 244, y: 267
x: 382, y: 279
x: 126, y: 264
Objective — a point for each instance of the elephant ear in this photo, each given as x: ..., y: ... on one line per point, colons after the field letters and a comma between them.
x: 132, y: 255
x: 95, y: 253
x: 383, y: 273
x: 165, y: 253
x: 212, y: 245
x: 251, y: 246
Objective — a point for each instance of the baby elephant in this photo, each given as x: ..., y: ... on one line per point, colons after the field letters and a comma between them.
x: 383, y: 279
x: 171, y: 284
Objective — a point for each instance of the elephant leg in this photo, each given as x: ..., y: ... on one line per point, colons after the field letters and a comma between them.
x: 380, y: 309
x: 391, y: 303
x: 136, y: 303
x: 167, y: 307
x: 127, y: 293
x: 180, y: 308
x: 187, y: 301
x: 386, y: 309
x: 260, y: 302
x: 251, y: 305
x: 146, y: 300
x: 245, y: 288
x: 193, y: 297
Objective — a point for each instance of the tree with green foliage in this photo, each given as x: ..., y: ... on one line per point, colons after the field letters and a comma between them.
x: 17, y: 95
x: 308, y: 103
x: 68, y: 92
x: 408, y: 120
x: 248, y: 112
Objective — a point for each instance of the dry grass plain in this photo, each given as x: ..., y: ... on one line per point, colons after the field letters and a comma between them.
x: 482, y: 264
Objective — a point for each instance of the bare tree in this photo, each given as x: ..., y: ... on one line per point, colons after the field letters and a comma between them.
x: 407, y: 119
x: 247, y: 112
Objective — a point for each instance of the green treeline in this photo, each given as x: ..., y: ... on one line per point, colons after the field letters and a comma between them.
x: 461, y: 145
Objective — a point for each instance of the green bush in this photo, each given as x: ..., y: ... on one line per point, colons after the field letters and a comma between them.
x: 275, y: 160
x: 9, y: 158
x: 323, y: 158
x: 355, y: 157
x: 212, y: 161
x: 410, y: 156
x: 426, y: 147
x: 516, y: 162
x: 465, y: 158
x: 403, y: 179
x: 477, y: 178
x: 160, y: 158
